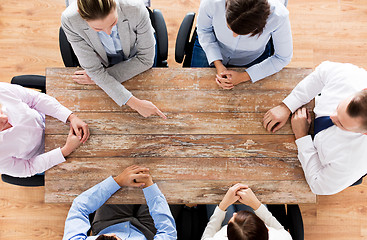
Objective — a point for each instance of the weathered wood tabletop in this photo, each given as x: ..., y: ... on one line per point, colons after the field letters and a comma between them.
x: 211, y: 139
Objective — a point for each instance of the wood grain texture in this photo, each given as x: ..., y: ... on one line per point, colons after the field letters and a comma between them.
x: 180, y: 146
x: 176, y: 123
x: 178, y: 101
x: 181, y: 79
x: 176, y: 191
x: 168, y: 169
x: 321, y: 29
x: 215, y: 134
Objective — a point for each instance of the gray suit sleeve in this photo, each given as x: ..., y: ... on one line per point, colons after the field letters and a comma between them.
x: 89, y: 61
x: 145, y: 45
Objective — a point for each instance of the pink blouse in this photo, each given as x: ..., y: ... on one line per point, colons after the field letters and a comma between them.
x: 22, y: 145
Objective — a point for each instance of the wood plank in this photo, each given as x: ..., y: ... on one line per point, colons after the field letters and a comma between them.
x: 177, y: 123
x: 177, y: 101
x: 341, y: 21
x: 206, y: 169
x: 200, y: 192
x: 181, y: 79
x: 180, y: 146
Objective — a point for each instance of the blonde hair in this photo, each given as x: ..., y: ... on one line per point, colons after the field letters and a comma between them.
x: 95, y: 9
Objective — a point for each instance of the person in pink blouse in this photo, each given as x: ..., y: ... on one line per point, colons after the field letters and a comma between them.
x: 22, y: 128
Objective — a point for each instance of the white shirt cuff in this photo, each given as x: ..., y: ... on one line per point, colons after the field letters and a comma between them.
x: 304, y: 143
x: 292, y: 103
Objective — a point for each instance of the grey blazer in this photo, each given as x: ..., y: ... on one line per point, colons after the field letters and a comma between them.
x: 137, y: 41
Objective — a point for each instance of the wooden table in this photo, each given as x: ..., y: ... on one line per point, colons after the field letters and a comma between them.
x: 211, y: 139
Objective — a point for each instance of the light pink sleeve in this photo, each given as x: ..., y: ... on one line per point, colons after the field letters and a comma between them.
x: 27, y: 167
x: 41, y: 102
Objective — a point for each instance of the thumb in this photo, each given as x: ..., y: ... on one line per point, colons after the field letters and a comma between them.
x: 77, y: 132
x: 71, y: 131
x: 308, y: 116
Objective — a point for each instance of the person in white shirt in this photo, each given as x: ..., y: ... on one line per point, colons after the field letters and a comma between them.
x: 255, y: 34
x: 244, y: 224
x: 336, y: 157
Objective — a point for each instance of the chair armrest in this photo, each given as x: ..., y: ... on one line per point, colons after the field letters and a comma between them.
x: 30, y: 81
x: 183, y: 36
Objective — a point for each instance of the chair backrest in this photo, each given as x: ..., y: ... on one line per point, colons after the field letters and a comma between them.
x: 161, y: 36
x: 67, y: 53
x: 34, y: 181
x: 184, y: 45
x: 31, y: 81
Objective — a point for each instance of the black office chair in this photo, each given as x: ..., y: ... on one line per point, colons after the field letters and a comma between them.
x: 185, y: 44
x: 37, y: 82
x: 290, y: 217
x: 70, y: 60
x: 161, y: 35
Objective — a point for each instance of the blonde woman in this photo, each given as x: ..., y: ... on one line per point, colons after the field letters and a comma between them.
x: 114, y: 41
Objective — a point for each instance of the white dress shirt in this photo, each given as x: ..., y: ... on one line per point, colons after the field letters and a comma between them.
x: 22, y: 145
x: 213, y: 230
x: 336, y: 158
x: 218, y: 42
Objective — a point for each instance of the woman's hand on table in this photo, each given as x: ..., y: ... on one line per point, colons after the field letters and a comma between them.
x: 144, y: 107
x: 231, y: 196
x: 80, y: 128
x: 82, y: 77
x: 72, y: 143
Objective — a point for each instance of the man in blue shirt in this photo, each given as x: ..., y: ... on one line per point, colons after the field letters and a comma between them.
x: 133, y: 222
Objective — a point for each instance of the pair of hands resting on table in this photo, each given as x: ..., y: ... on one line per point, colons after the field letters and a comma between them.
x: 134, y: 176
x: 78, y: 134
x: 276, y: 118
x: 242, y: 193
x: 227, y: 79
x: 143, y: 107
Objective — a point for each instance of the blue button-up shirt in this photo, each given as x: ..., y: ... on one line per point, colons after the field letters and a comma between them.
x: 111, y: 43
x: 218, y: 42
x: 77, y: 222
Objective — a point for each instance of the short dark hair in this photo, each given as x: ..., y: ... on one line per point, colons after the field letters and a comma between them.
x: 95, y: 9
x: 247, y: 226
x: 247, y: 16
x: 104, y: 237
x: 357, y: 107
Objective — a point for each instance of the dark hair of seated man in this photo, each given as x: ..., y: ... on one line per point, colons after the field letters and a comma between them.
x: 358, y: 108
x: 247, y: 226
x: 104, y: 237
